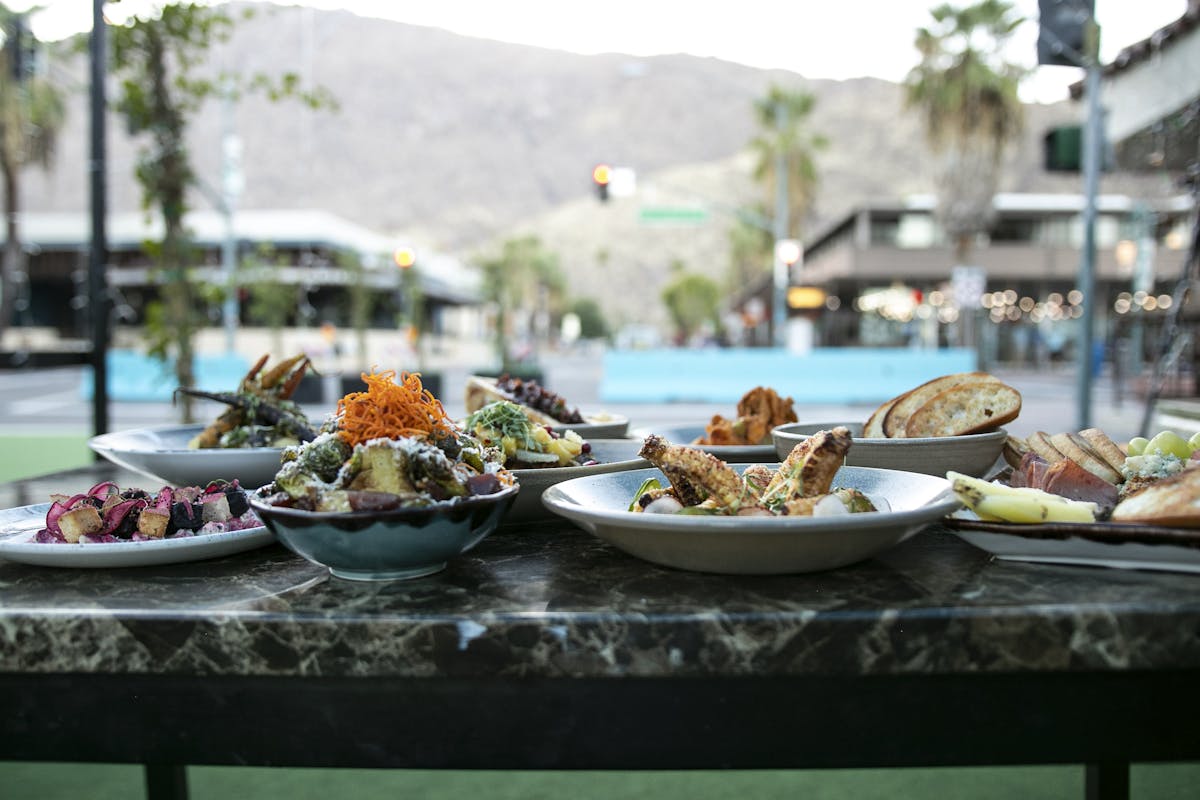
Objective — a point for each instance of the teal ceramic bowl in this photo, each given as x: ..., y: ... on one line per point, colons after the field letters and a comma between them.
x: 396, y: 544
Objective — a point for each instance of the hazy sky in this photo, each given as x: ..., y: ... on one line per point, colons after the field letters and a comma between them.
x: 815, y: 38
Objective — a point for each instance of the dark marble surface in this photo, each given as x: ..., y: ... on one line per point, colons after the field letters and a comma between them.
x: 549, y: 600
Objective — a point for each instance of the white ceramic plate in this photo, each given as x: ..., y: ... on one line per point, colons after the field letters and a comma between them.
x: 754, y: 545
x: 974, y: 454
x: 614, y: 455
x: 162, y: 453
x: 1093, y: 545
x: 19, y: 525
x: 729, y: 453
x: 597, y: 426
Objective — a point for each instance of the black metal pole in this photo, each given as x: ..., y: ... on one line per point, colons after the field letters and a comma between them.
x: 98, y: 254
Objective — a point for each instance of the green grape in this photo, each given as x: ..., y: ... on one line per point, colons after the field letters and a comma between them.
x: 1169, y: 443
x: 1194, y: 442
x: 1137, y: 445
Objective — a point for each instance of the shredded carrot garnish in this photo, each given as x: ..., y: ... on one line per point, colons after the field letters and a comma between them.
x: 391, y: 410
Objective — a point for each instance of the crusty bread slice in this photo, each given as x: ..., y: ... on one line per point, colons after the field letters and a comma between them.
x: 874, y: 427
x: 1173, y: 501
x: 480, y: 391
x: 1014, y: 451
x: 1105, y: 447
x: 1076, y: 448
x: 1039, y: 442
x: 896, y: 421
x: 971, y: 407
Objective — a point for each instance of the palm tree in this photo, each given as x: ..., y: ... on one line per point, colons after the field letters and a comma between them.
x: 524, y: 277
x: 784, y: 116
x: 31, y: 116
x: 967, y: 95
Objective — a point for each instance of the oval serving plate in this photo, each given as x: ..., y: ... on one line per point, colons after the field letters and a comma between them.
x: 754, y: 545
x: 599, y: 425
x: 19, y: 525
x: 162, y: 453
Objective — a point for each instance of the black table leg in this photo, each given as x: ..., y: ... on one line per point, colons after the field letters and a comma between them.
x: 166, y: 782
x: 1108, y: 780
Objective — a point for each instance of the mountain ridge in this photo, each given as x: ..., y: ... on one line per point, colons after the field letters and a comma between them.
x: 459, y: 142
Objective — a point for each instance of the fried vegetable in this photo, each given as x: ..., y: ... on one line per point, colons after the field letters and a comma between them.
x: 260, y: 413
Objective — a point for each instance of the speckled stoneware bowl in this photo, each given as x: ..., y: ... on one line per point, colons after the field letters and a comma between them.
x: 386, y: 545
x: 974, y: 454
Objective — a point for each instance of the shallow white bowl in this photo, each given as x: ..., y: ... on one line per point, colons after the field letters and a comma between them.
x: 754, y: 545
x: 614, y: 455
x: 974, y: 454
x: 162, y: 453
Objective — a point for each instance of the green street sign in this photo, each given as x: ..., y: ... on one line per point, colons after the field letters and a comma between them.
x: 678, y: 215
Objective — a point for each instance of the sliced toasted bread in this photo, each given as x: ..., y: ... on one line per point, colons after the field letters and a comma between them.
x: 1014, y: 451
x: 971, y: 407
x: 896, y: 421
x: 1173, y: 501
x: 1076, y: 448
x: 481, y: 391
x: 1039, y: 442
x: 1105, y: 447
x: 874, y: 427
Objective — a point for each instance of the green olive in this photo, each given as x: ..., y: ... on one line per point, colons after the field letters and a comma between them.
x: 1195, y: 441
x: 1169, y: 443
x: 1137, y: 445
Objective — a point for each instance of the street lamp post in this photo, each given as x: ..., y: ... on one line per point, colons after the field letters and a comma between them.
x: 780, y: 270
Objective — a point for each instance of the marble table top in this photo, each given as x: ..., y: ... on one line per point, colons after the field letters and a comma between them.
x: 551, y: 601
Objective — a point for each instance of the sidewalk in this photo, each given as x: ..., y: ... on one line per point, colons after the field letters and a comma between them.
x: 50, y: 400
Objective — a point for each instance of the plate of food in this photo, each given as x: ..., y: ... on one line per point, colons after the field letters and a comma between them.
x: 952, y: 423
x: 1079, y: 498
x: 809, y: 513
x: 541, y: 456
x: 542, y: 406
x: 743, y: 438
x: 245, y: 442
x: 110, y: 527
x: 391, y: 489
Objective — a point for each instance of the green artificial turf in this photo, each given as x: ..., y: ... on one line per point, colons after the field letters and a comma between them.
x: 37, y: 453
x: 27, y: 781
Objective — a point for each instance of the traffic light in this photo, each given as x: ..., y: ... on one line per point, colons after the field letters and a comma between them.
x: 404, y: 257
x: 1062, y: 31
x: 602, y: 177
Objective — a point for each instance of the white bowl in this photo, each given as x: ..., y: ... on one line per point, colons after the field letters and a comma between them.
x: 754, y: 545
x: 162, y: 453
x: 974, y: 454
x: 614, y: 455
x: 729, y: 453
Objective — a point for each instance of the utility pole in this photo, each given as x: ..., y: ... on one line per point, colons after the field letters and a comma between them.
x: 1093, y: 136
x: 98, y: 251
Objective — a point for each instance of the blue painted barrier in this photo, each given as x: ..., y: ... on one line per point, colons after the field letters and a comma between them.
x: 136, y: 377
x: 824, y: 375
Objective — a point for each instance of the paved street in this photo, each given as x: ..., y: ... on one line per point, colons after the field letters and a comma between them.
x: 51, y: 400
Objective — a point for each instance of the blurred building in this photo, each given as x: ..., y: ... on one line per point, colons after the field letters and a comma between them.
x: 1151, y: 96
x: 886, y: 275
x: 315, y: 252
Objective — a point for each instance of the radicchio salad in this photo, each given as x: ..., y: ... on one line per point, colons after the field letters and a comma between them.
x: 106, y: 513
